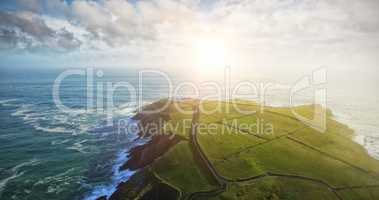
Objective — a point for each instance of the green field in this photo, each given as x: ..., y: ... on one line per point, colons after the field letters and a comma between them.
x: 281, y: 158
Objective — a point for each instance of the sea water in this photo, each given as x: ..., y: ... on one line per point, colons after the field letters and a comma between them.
x: 49, y: 153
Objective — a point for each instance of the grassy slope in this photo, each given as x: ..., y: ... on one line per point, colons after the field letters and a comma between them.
x: 179, y: 168
x: 277, y: 188
x: 331, y: 156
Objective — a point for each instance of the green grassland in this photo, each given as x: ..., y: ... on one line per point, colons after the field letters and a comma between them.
x: 281, y: 158
x: 277, y: 188
x: 178, y: 167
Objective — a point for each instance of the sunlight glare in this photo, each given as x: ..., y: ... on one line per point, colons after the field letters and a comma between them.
x: 210, y: 53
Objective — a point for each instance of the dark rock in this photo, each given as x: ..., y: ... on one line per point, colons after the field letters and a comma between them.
x: 102, y: 198
x: 161, y: 191
x: 143, y: 155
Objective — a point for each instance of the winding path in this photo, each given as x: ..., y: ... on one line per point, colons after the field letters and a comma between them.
x: 222, y: 181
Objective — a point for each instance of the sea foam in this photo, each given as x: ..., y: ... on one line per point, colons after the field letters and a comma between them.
x: 15, y: 173
x: 118, y: 175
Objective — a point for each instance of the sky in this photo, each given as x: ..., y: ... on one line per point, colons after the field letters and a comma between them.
x: 250, y: 35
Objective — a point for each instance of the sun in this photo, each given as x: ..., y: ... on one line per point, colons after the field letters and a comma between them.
x: 209, y: 53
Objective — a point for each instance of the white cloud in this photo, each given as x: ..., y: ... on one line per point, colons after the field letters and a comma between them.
x: 254, y: 31
x: 28, y: 31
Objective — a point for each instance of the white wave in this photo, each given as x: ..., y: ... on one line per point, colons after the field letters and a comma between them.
x: 371, y: 143
x: 78, y: 146
x: 36, y: 116
x: 360, y: 139
x: 7, y: 102
x: 118, y: 175
x: 31, y: 162
x: 52, y: 130
x: 56, y: 184
x: 58, y: 142
x: 58, y: 177
x: 15, y: 173
x: 4, y: 182
x: 365, y: 134
x: 52, y: 120
x: 22, y: 111
x: 29, y: 116
x: 126, y: 111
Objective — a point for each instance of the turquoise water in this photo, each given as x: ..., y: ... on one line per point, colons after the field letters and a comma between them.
x: 46, y: 153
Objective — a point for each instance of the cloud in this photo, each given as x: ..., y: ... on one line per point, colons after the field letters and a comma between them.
x: 165, y: 29
x: 119, y: 22
x: 30, y: 5
x: 28, y: 31
x: 300, y: 20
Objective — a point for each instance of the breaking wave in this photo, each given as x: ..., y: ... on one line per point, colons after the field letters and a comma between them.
x: 118, y: 175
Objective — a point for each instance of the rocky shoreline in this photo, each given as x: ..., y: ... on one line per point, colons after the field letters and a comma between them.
x: 142, y: 156
x: 143, y: 185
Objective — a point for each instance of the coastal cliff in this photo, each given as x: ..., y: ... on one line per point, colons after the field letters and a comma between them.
x: 225, y: 154
x: 143, y: 185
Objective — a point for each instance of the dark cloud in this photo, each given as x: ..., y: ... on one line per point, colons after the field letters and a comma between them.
x: 8, y: 39
x: 67, y: 40
x: 28, y: 31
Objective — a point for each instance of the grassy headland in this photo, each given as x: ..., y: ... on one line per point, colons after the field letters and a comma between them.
x: 220, y: 152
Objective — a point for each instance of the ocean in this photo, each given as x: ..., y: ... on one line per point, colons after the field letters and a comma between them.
x: 46, y: 153
x: 49, y: 153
